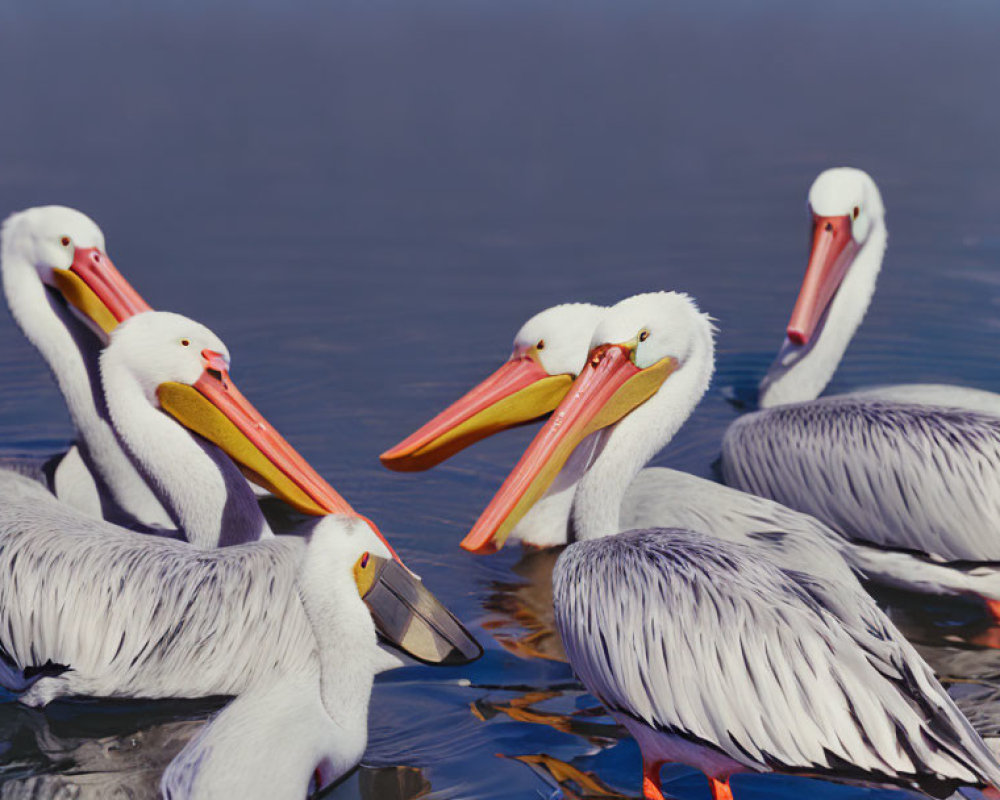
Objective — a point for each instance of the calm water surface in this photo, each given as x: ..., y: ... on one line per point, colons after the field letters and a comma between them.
x: 366, y: 200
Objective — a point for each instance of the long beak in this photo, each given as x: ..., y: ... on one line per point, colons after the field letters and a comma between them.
x: 215, y: 409
x: 96, y: 289
x: 610, y: 386
x: 833, y: 251
x: 519, y: 392
x: 411, y: 618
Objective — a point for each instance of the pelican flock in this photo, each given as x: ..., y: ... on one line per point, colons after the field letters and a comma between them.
x: 723, y: 627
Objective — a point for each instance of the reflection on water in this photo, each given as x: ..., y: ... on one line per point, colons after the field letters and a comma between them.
x: 521, y: 618
x: 369, y: 212
x: 87, y: 750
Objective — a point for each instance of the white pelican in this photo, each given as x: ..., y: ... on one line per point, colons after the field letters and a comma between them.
x: 910, y: 469
x: 91, y: 609
x: 65, y: 294
x: 696, y: 643
x: 272, y: 740
x: 160, y: 362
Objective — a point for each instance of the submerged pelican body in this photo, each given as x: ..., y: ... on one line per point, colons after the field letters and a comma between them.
x: 695, y: 642
x: 913, y: 468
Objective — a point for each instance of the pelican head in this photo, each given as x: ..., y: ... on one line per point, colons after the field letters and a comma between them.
x: 346, y: 550
x: 846, y: 207
x: 638, y: 344
x: 549, y: 351
x: 182, y: 368
x: 66, y: 249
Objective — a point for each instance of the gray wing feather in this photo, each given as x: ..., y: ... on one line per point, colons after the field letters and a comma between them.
x: 898, y: 475
x: 707, y: 640
x: 135, y: 615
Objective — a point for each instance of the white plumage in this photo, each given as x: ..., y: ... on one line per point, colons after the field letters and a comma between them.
x: 129, y: 615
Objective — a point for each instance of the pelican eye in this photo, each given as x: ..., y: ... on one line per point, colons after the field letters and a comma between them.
x: 540, y: 345
x: 363, y: 561
x: 856, y: 213
x: 185, y: 342
x: 65, y: 241
x: 643, y: 335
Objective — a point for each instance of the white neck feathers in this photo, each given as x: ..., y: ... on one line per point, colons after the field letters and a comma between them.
x: 35, y: 314
x: 800, y: 373
x: 186, y: 478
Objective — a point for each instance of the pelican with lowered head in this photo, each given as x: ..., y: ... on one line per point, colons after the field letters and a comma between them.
x: 312, y: 727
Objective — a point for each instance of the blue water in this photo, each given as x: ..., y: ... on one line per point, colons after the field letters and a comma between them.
x: 366, y: 199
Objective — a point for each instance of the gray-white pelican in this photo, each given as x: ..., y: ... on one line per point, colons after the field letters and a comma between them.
x: 91, y: 609
x: 311, y: 727
x: 912, y: 469
x: 694, y: 665
x: 65, y: 294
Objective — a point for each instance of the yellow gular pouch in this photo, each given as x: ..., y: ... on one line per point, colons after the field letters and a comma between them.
x: 82, y: 298
x: 192, y: 410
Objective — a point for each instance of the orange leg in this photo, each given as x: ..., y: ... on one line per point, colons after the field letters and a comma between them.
x: 651, y: 780
x: 720, y: 789
x: 991, y: 636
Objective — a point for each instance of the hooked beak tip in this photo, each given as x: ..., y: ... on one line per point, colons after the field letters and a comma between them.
x: 797, y: 336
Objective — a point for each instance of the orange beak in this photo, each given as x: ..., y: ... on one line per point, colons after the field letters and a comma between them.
x: 607, y: 389
x: 216, y: 410
x: 517, y: 393
x: 833, y: 250
x: 97, y: 289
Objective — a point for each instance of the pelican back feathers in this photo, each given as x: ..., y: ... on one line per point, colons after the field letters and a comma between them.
x: 909, y: 476
x: 130, y: 615
x: 701, y: 642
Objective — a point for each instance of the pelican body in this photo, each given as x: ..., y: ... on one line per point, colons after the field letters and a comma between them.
x: 912, y: 470
x: 710, y: 655
x: 91, y: 609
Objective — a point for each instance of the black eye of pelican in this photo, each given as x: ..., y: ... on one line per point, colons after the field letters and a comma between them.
x: 185, y: 342
x: 857, y: 212
x: 540, y: 345
x: 65, y: 241
x: 643, y: 336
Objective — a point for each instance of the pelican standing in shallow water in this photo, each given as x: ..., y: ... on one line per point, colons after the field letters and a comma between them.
x: 65, y: 294
x: 313, y: 727
x: 912, y: 469
x: 696, y: 644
